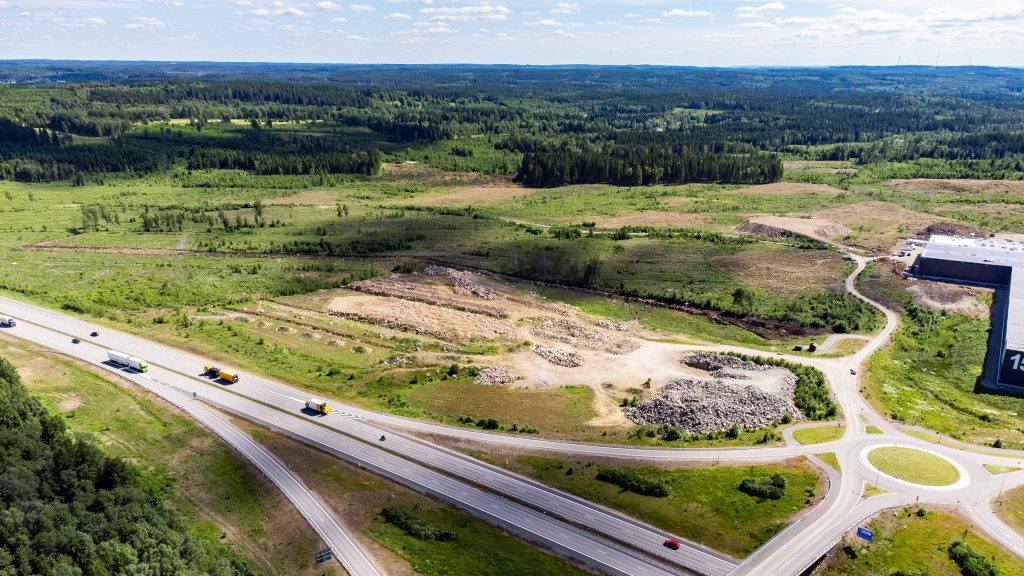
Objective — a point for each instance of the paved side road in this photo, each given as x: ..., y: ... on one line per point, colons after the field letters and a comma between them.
x: 344, y: 546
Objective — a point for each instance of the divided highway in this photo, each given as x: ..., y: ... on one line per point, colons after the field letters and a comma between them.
x: 599, y: 537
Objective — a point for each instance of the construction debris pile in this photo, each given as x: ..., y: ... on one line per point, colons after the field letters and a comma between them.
x: 464, y: 282
x: 496, y: 375
x: 559, y: 356
x: 737, y: 392
x: 580, y: 336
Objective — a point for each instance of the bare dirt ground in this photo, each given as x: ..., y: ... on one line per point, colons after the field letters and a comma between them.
x: 951, y: 297
x: 879, y: 225
x: 1013, y: 187
x: 321, y: 198
x: 418, y: 171
x: 470, y: 196
x: 790, y: 189
x: 797, y: 273
x: 422, y: 318
x: 817, y: 228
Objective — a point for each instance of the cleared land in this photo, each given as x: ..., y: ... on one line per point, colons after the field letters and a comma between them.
x: 914, y: 466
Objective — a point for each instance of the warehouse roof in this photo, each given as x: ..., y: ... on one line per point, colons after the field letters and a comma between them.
x: 975, y: 250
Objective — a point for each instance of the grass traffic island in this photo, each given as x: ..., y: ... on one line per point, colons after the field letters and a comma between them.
x: 818, y: 434
x: 914, y: 466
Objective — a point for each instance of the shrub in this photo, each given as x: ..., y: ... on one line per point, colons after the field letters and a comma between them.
x: 633, y: 481
x: 416, y: 527
x: 769, y: 487
x: 971, y: 563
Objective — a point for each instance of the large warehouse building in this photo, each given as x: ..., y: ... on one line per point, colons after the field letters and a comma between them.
x: 994, y: 263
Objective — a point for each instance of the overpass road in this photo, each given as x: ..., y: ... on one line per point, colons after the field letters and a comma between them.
x: 353, y: 433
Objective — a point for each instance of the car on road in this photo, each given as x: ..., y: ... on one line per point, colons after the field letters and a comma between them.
x: 852, y: 371
x: 75, y: 340
x: 94, y: 334
x: 671, y: 543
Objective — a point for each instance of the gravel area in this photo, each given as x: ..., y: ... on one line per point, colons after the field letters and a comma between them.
x: 559, y: 356
x: 496, y: 375
x: 581, y: 336
x: 464, y: 282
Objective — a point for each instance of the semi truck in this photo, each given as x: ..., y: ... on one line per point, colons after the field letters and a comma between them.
x: 225, y: 375
x: 8, y: 321
x: 317, y: 405
x: 126, y: 360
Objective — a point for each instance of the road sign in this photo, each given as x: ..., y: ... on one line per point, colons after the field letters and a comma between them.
x: 323, y: 555
x: 865, y: 534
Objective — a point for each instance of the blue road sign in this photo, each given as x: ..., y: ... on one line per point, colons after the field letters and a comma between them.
x: 323, y: 555
x: 865, y: 534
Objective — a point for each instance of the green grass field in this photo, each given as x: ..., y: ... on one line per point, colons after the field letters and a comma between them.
x: 704, y: 505
x: 914, y: 466
x: 915, y: 544
x: 830, y: 459
x: 818, y: 434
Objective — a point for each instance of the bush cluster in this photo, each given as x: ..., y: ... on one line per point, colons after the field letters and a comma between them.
x: 769, y: 487
x: 415, y: 526
x: 633, y: 481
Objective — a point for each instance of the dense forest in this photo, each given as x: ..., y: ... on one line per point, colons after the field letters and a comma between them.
x: 67, y: 509
x: 549, y: 126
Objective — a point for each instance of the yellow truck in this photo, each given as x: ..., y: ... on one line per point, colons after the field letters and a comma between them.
x: 225, y: 375
x: 319, y: 406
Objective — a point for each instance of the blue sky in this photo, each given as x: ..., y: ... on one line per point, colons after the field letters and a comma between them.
x: 702, y: 33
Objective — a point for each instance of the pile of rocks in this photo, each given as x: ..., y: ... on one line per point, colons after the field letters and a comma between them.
x: 700, y: 406
x: 496, y: 375
x: 559, y: 356
x: 464, y: 283
x: 580, y: 336
x: 739, y: 392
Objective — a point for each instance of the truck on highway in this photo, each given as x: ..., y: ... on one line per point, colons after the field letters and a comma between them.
x: 317, y: 405
x: 126, y: 360
x: 8, y: 321
x: 225, y: 375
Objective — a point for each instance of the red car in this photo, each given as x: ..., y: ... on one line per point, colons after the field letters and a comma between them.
x: 673, y: 544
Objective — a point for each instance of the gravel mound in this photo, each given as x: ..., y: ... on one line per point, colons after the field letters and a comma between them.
x: 739, y: 392
x: 580, y: 336
x: 496, y: 375
x: 559, y: 356
x: 464, y: 282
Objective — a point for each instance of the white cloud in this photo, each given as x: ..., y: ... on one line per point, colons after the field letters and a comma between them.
x: 91, y: 22
x: 145, y: 23
x: 757, y: 11
x: 327, y: 5
x: 680, y: 13
x: 478, y: 13
x: 279, y: 8
x: 358, y: 38
x: 544, y: 22
x: 757, y: 26
x: 361, y: 7
x: 567, y: 8
x: 398, y: 16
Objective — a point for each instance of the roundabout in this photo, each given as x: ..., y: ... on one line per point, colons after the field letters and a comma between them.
x: 917, y: 467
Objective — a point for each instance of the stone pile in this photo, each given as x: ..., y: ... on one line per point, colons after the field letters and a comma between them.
x: 739, y: 392
x: 496, y: 375
x: 581, y: 337
x: 559, y: 356
x: 464, y: 283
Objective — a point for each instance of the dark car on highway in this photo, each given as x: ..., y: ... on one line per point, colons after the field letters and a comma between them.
x: 94, y: 334
x: 75, y: 340
x: 673, y: 544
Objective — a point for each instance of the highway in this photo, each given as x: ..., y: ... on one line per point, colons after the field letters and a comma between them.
x: 594, y: 535
x: 344, y: 546
x: 602, y: 538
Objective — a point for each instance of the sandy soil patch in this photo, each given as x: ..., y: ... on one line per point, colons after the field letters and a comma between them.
x: 1013, y: 187
x: 410, y: 170
x: 421, y: 318
x: 817, y: 228
x: 788, y: 273
x: 469, y: 196
x: 790, y: 189
x: 879, y: 224
x: 951, y: 297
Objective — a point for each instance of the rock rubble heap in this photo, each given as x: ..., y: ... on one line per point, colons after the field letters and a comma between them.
x: 559, y: 356
x: 496, y: 375
x: 464, y: 282
x: 581, y: 336
x: 739, y: 392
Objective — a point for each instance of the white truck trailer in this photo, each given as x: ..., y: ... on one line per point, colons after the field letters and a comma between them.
x: 126, y: 360
x: 8, y: 321
x: 319, y: 406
